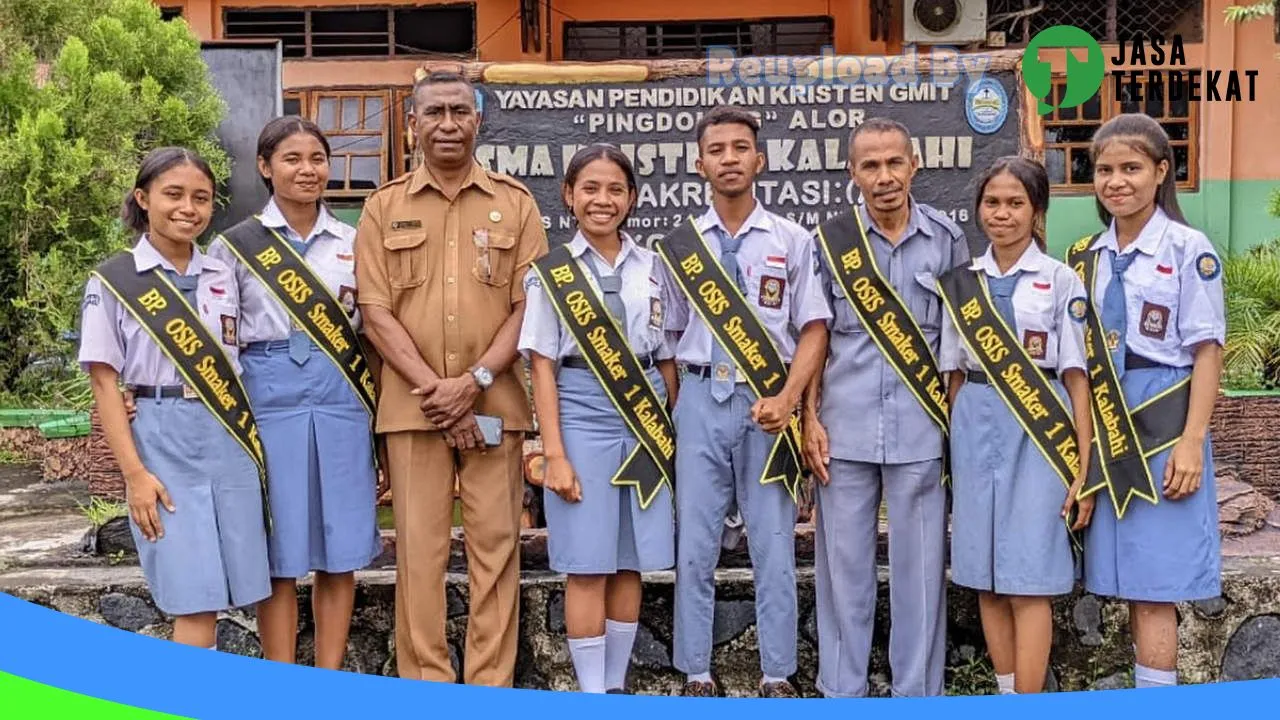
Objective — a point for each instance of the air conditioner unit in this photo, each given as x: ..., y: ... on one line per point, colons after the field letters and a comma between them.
x: 943, y: 22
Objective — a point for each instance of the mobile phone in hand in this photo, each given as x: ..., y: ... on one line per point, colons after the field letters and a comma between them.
x: 491, y: 429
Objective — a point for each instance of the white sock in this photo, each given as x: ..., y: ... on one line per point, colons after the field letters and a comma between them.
x: 769, y: 680
x: 619, y: 638
x: 1005, y: 683
x: 1144, y: 676
x: 700, y: 677
x: 588, y: 662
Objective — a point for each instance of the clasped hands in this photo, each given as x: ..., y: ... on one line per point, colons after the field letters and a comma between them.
x: 447, y: 403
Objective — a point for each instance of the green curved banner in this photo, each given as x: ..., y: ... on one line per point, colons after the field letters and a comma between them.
x: 27, y: 699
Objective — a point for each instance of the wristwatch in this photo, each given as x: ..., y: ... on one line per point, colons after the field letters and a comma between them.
x: 483, y: 377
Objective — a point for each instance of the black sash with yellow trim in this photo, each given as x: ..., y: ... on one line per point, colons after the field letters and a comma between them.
x: 884, y: 315
x: 615, y: 365
x: 1010, y: 370
x: 720, y: 303
x: 1126, y: 438
x: 175, y: 327
x: 306, y: 298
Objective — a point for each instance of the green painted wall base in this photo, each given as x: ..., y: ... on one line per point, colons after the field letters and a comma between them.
x: 1233, y: 213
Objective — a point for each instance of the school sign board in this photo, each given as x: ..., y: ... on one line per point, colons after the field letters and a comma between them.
x: 963, y: 113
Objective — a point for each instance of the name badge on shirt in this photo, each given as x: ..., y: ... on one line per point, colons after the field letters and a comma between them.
x: 1034, y: 341
x: 771, y: 289
x: 229, y: 330
x: 1155, y: 321
x: 655, y: 313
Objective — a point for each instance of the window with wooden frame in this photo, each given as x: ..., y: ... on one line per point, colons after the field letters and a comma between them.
x: 402, y: 156
x: 356, y: 123
x: 1069, y: 131
x: 448, y: 30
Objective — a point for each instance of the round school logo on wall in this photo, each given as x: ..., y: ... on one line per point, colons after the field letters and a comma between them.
x: 986, y: 106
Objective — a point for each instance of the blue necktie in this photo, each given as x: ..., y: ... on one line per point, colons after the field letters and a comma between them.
x: 1114, y: 316
x: 1002, y: 295
x: 299, y: 343
x: 187, y: 285
x: 722, y: 367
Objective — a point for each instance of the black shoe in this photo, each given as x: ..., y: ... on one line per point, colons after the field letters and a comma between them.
x: 616, y: 691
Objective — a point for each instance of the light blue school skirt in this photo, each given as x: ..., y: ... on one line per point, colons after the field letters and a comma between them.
x: 319, y: 447
x: 1007, y: 531
x: 213, y: 555
x: 1166, y: 552
x: 606, y: 531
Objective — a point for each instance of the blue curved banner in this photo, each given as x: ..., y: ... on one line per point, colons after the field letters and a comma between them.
x: 97, y: 661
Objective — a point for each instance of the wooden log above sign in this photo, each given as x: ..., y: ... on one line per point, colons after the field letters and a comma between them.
x: 964, y: 111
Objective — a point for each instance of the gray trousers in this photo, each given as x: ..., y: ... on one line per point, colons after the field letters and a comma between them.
x: 845, y: 568
x: 719, y: 459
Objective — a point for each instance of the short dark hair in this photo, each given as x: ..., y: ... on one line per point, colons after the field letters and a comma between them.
x: 1034, y: 179
x: 156, y: 163
x: 441, y: 77
x: 282, y: 128
x: 724, y: 115
x: 878, y: 125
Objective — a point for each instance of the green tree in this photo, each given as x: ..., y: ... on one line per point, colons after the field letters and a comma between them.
x: 1254, y: 11
x: 86, y: 90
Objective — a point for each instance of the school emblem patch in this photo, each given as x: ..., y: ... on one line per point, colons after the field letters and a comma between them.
x: 1208, y: 266
x: 722, y: 372
x: 347, y: 298
x: 655, y: 313
x: 771, y: 291
x: 229, y: 330
x: 1155, y: 320
x: 1113, y: 339
x: 1034, y: 341
x: 1078, y: 307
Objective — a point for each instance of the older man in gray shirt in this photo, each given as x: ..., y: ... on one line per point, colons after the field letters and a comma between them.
x: 868, y: 434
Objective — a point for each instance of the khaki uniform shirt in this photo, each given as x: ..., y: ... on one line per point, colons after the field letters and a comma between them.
x: 451, y: 271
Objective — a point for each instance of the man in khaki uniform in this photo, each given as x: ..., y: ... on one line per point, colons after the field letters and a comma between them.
x: 441, y: 255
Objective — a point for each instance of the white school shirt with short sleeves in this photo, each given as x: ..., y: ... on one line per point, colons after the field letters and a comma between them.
x: 642, y: 278
x: 330, y: 256
x: 1173, y: 290
x: 1043, y: 299
x: 109, y: 333
x: 783, y: 287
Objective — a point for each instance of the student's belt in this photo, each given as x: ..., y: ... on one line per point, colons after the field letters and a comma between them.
x: 1009, y: 369
x: 175, y: 327
x: 306, y: 298
x: 721, y: 305
x: 885, y: 317
x: 1126, y: 438
x: 609, y: 356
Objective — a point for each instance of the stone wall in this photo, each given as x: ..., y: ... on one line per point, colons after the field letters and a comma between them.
x: 1244, y: 435
x: 1231, y: 638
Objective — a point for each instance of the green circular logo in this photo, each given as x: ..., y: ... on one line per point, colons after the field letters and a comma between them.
x: 1084, y: 78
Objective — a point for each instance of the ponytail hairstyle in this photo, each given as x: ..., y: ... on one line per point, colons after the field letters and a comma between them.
x: 1034, y: 179
x: 279, y: 130
x: 1142, y: 133
x: 155, y: 164
x: 600, y: 151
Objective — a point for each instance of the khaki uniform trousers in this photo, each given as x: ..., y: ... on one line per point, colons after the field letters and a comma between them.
x: 422, y: 469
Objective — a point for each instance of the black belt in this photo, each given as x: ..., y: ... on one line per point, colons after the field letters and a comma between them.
x: 1137, y: 362
x: 977, y: 376
x: 161, y: 391
x: 580, y: 363
x: 704, y: 371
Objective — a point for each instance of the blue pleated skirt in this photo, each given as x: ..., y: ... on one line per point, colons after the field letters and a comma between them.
x: 213, y: 555
x: 1169, y: 551
x: 606, y: 531
x: 1007, y: 531
x: 320, y: 455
